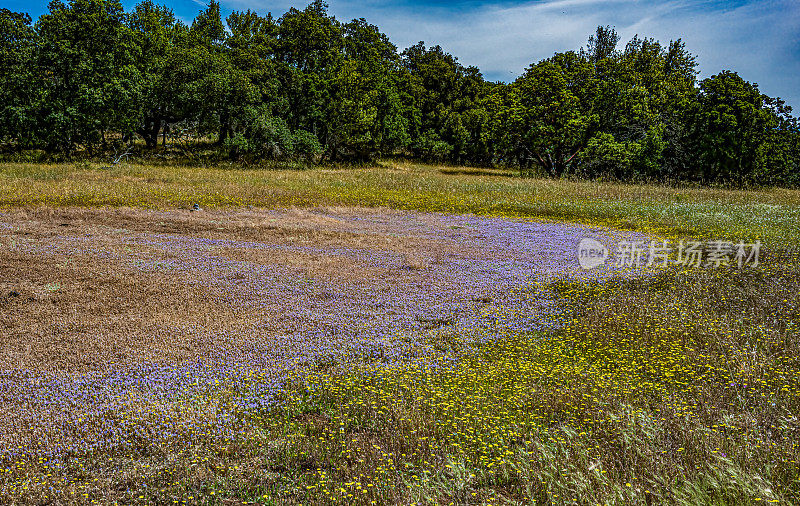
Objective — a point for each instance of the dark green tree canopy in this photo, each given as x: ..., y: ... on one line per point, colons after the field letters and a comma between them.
x: 88, y: 76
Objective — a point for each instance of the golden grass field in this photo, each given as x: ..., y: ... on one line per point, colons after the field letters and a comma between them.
x: 768, y: 214
x: 397, y: 334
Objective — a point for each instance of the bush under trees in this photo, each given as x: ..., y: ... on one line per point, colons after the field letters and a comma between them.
x: 88, y: 75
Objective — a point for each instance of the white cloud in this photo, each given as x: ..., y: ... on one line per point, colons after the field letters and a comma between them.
x: 760, y: 39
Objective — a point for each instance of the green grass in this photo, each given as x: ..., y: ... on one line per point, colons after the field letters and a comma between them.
x: 771, y: 215
x: 683, y: 388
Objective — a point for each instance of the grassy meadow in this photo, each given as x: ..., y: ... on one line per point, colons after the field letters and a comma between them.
x: 771, y: 215
x: 678, y: 388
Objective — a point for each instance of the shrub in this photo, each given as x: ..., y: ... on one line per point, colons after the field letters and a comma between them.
x: 269, y: 137
x: 605, y: 156
x: 306, y: 145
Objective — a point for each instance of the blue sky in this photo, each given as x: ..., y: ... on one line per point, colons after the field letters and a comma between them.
x: 760, y: 39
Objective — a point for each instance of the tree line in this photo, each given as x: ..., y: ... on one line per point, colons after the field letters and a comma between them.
x: 87, y: 76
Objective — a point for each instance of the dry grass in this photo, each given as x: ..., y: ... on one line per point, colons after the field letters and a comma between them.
x: 770, y: 214
x: 103, y: 297
x: 681, y: 388
x: 652, y: 395
x: 77, y: 311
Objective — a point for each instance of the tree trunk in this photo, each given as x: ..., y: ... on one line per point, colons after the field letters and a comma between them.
x: 224, y: 129
x: 149, y: 132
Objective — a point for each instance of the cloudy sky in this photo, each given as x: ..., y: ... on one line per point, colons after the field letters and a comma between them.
x: 760, y: 39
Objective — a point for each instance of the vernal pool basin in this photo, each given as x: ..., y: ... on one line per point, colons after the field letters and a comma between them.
x: 132, y: 322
